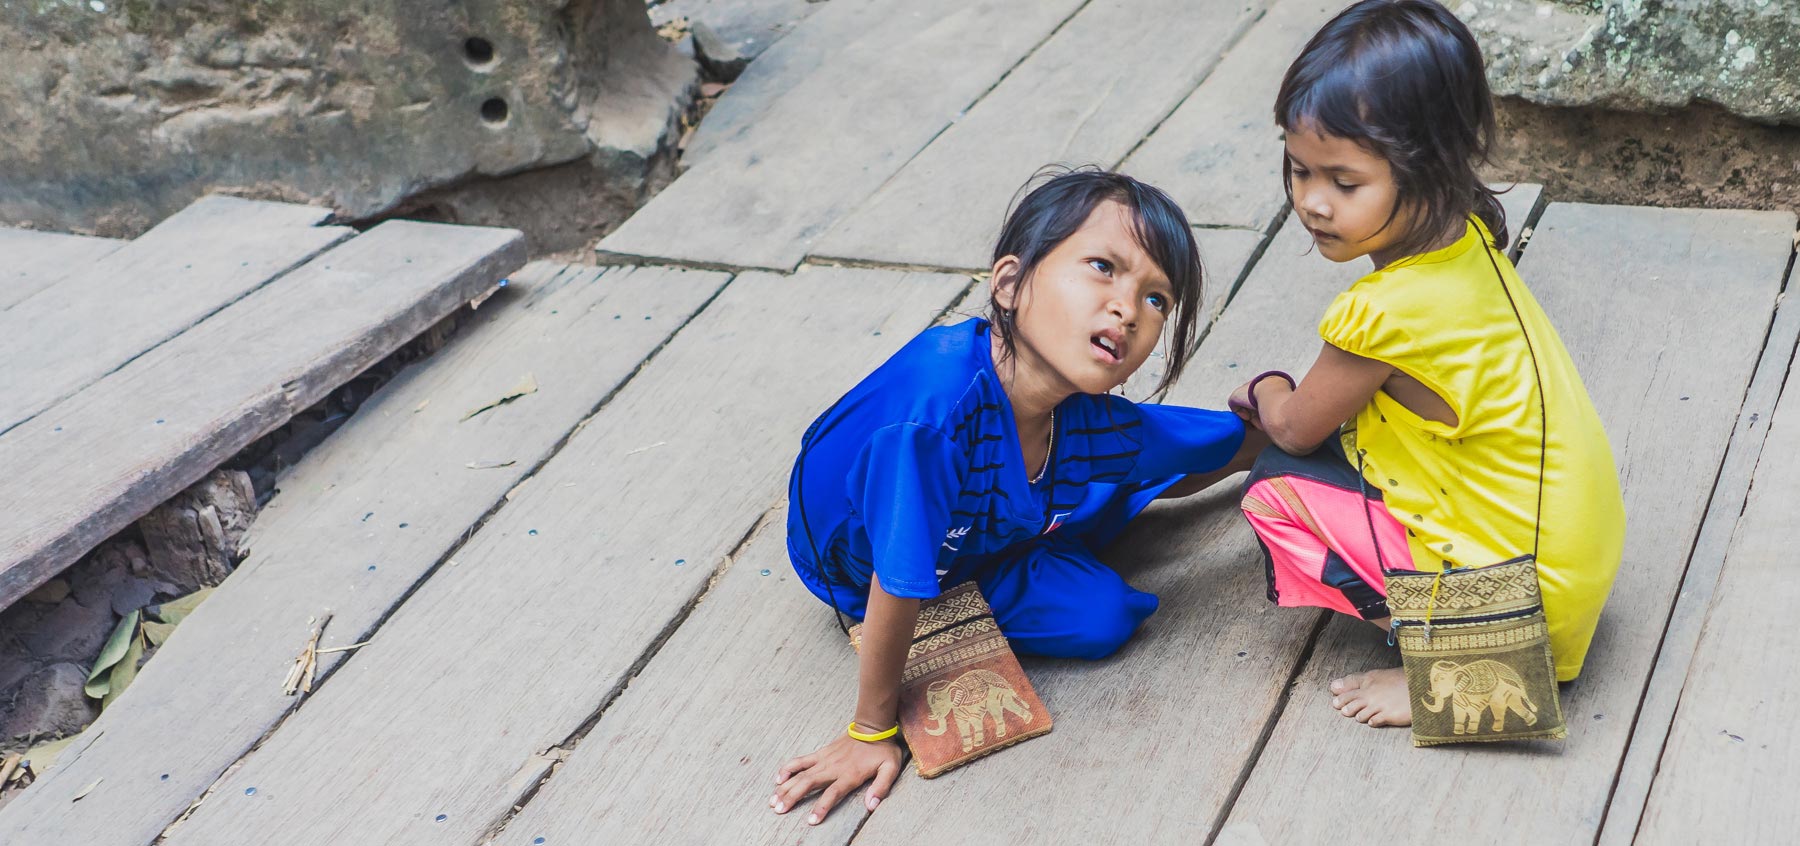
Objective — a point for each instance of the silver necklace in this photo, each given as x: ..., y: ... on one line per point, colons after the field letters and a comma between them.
x: 1049, y: 450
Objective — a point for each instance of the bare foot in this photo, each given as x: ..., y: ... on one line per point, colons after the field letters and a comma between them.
x: 1377, y: 697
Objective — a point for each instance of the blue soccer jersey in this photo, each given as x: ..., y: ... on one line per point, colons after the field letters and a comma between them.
x: 916, y: 474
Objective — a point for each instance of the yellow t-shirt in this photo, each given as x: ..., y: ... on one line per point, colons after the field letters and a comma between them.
x: 1468, y: 494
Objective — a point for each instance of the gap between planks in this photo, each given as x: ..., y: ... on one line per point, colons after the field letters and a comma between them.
x: 373, y: 629
x: 760, y: 525
x: 1654, y: 718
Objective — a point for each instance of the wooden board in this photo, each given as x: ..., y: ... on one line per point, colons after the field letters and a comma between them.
x: 200, y: 260
x: 35, y: 260
x: 99, y: 460
x: 756, y: 675
x: 1734, y: 747
x: 1062, y: 105
x: 750, y: 26
x: 833, y: 138
x: 1669, y: 391
x: 1219, y: 155
x: 1682, y: 635
x: 365, y: 517
x: 784, y: 65
x: 754, y: 689
x: 556, y: 602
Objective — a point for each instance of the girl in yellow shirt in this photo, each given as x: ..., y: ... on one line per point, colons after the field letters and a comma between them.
x: 1429, y: 374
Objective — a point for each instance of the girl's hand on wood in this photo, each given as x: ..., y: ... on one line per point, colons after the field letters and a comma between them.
x: 838, y: 768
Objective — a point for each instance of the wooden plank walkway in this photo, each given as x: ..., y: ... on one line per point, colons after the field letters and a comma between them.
x: 358, y: 524
x: 589, y: 566
x: 37, y: 259
x: 99, y: 317
x: 833, y: 138
x: 1731, y: 749
x: 102, y: 458
x: 566, y: 681
x: 1054, y: 107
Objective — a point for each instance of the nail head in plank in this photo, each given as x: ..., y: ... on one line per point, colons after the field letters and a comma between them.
x: 402, y: 457
x: 198, y: 261
x: 1220, y: 155
x: 1072, y: 101
x: 104, y: 457
x: 436, y: 714
x: 36, y: 260
x: 836, y: 136
x: 1609, y: 277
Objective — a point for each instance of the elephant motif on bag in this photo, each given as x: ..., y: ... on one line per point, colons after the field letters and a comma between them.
x: 1476, y: 687
x: 972, y: 699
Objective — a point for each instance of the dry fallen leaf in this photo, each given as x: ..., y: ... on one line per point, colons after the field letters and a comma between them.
x: 88, y: 789
x: 306, y: 664
x: 489, y: 465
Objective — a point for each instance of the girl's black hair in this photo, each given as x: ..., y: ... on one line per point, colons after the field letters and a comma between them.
x: 1055, y: 209
x: 1405, y: 79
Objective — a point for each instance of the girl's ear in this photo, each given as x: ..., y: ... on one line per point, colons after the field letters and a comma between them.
x: 1004, y: 281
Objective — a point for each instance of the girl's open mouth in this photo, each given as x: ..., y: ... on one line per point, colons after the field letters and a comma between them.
x: 1107, y: 349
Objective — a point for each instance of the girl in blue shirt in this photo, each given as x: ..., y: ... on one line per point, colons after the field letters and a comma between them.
x: 991, y: 450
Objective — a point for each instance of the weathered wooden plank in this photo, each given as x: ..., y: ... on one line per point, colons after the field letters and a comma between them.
x: 749, y: 26
x: 792, y: 59
x: 756, y: 675
x: 561, y: 594
x: 834, y: 137
x: 1219, y: 155
x: 1670, y: 393
x: 35, y: 260
x: 95, y: 462
x: 1733, y: 750
x: 361, y: 520
x: 757, y: 688
x: 945, y: 208
x: 1681, y: 637
x: 170, y: 278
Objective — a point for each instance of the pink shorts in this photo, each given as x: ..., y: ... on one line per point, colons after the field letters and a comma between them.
x: 1314, y: 524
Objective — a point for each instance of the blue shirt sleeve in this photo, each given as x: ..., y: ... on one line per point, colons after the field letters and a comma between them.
x: 1178, y: 441
x: 904, y: 485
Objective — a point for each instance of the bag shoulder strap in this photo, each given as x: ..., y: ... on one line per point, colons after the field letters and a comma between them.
x: 1543, y: 427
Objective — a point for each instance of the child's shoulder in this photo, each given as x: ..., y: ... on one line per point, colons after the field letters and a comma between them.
x: 934, y: 378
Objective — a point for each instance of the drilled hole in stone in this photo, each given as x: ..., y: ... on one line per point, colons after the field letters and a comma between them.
x: 479, y: 51
x: 494, y: 111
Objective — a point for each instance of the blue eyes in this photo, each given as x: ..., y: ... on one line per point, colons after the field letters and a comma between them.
x: 1157, y: 301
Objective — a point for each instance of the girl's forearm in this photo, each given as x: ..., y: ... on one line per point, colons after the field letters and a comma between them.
x: 1272, y: 398
x: 886, y: 637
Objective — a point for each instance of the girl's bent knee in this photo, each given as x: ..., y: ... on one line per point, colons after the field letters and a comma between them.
x: 1102, y: 632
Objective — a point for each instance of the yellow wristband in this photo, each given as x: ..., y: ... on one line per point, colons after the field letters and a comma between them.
x: 870, y: 738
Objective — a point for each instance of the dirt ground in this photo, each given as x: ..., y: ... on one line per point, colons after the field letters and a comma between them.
x: 1700, y: 156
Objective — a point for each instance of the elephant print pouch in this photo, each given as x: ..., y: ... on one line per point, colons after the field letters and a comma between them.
x: 1477, y: 653
x: 963, y: 694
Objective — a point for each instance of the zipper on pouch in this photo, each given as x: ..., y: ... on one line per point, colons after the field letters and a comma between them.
x: 1395, y: 623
